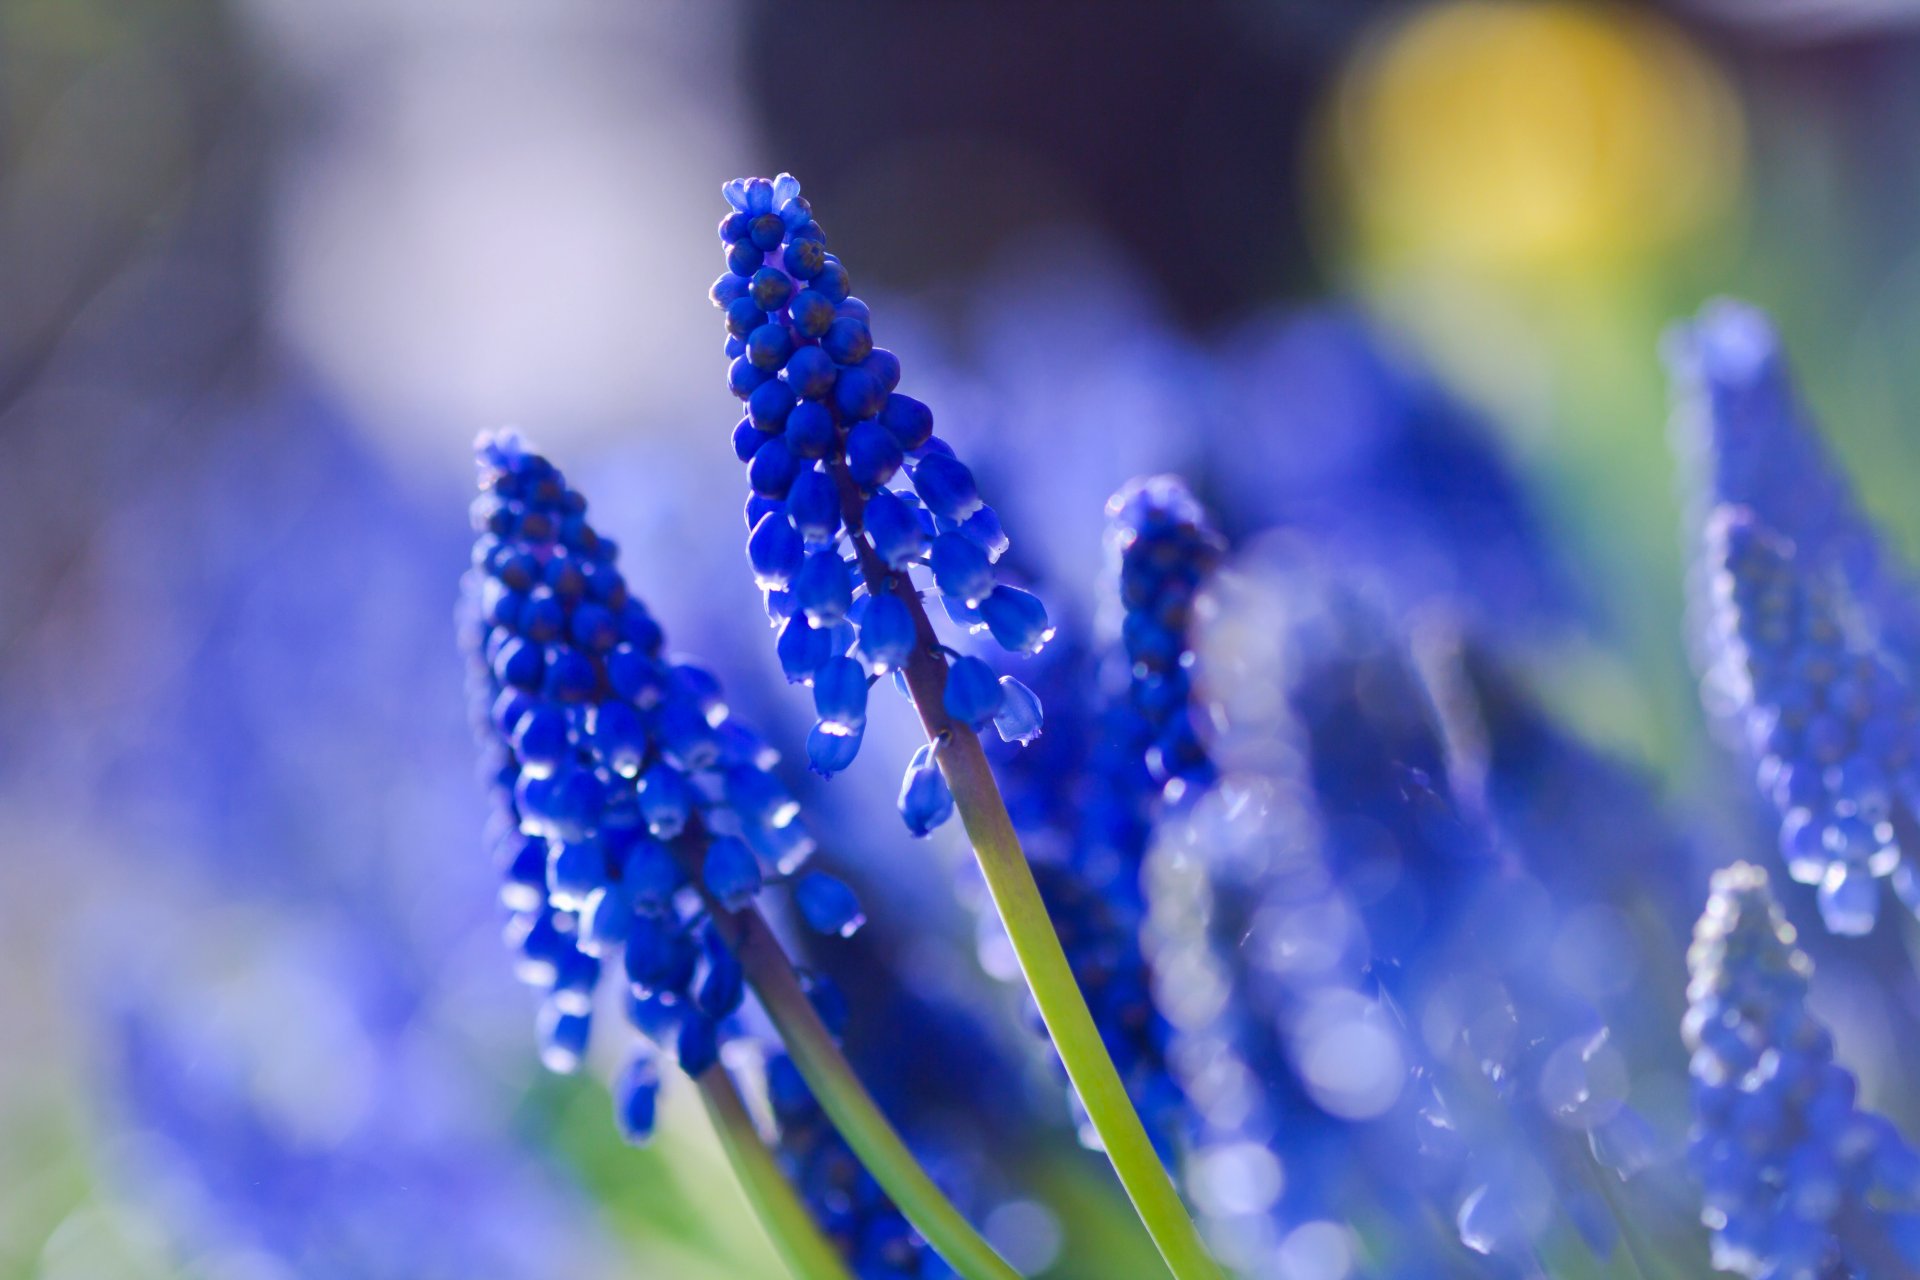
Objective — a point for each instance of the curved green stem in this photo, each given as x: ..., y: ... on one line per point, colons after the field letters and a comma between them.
x: 849, y: 1106
x: 809, y: 1255
x: 1017, y: 898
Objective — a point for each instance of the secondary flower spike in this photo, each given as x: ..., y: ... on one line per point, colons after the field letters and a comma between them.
x: 828, y: 441
x: 1797, y: 1179
x: 1811, y: 629
x: 624, y: 791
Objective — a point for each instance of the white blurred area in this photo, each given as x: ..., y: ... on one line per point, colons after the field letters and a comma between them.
x: 489, y: 212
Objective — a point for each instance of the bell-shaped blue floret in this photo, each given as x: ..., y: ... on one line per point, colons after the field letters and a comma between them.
x: 895, y: 529
x: 619, y: 737
x: 828, y: 905
x: 886, y: 633
x: 946, y: 485
x: 775, y: 551
x: 720, y: 984
x: 813, y: 505
x: 961, y: 569
x: 1017, y: 619
x: 665, y: 801
x: 660, y: 956
x: 803, y: 648
x: 575, y: 870
x: 563, y: 1039
x: 651, y: 876
x: 698, y: 1044
x: 1020, y: 717
x: 925, y: 801
x: 840, y: 696
x: 829, y: 753
x: 635, y: 1099
x: 973, y: 695
x: 730, y: 872
x: 824, y: 587
x: 872, y: 455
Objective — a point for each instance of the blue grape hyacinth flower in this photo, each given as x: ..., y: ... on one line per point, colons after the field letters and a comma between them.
x: 832, y: 533
x: 1797, y: 1180
x: 629, y: 804
x: 1809, y: 625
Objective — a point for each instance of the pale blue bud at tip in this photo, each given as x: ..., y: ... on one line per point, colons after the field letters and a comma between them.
x: 925, y: 801
x: 1020, y: 716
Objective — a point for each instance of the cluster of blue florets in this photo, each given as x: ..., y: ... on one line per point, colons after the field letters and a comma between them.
x: 629, y: 805
x: 1812, y: 628
x: 1832, y: 724
x: 1798, y: 1180
x: 849, y: 1205
x: 1164, y: 547
x: 832, y: 544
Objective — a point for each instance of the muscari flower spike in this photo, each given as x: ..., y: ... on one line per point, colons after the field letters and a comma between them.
x: 1811, y: 628
x: 826, y: 439
x: 627, y: 798
x: 1162, y: 546
x: 1411, y: 1015
x: 1798, y: 1182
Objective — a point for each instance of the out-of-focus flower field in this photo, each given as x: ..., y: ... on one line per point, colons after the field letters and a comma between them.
x: 1395, y: 287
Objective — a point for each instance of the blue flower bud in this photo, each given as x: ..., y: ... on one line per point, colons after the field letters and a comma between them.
x: 730, y: 872
x: 894, y: 528
x: 925, y: 801
x: 563, y: 1039
x: 772, y: 469
x: 884, y: 368
x: 858, y: 394
x: 946, y: 486
x: 827, y: 905
x: 770, y: 289
x: 775, y: 551
x: 812, y: 312
x: 832, y: 281
x: 824, y: 587
x: 720, y: 984
x: 960, y: 569
x: 1017, y: 619
x: 727, y: 289
x: 907, y: 420
x: 635, y: 1097
x: 813, y: 504
x: 666, y: 801
x: 886, y: 633
x: 812, y: 374
x: 840, y: 697
x: 810, y: 430
x: 743, y: 317
x: 541, y: 739
x: 768, y: 409
x: 803, y: 648
x: 829, y: 753
x: 660, y: 957
x: 744, y: 376
x: 619, y: 737
x: 973, y: 697
x: 804, y: 258
x: 574, y: 981
x: 575, y: 871
x: 758, y: 796
x: 847, y: 340
x: 1020, y: 717
x: 872, y: 455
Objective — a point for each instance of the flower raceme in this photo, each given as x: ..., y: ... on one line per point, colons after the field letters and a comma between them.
x: 628, y: 802
x: 825, y: 437
x: 1798, y: 1180
x: 1812, y: 629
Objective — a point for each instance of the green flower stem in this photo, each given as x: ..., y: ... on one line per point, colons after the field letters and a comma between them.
x: 848, y: 1104
x: 1015, y: 895
x: 809, y: 1255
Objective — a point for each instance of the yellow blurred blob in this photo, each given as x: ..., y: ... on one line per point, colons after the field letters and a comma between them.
x: 1501, y: 134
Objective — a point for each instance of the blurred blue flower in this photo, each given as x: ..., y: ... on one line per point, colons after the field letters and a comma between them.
x: 1797, y: 1179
